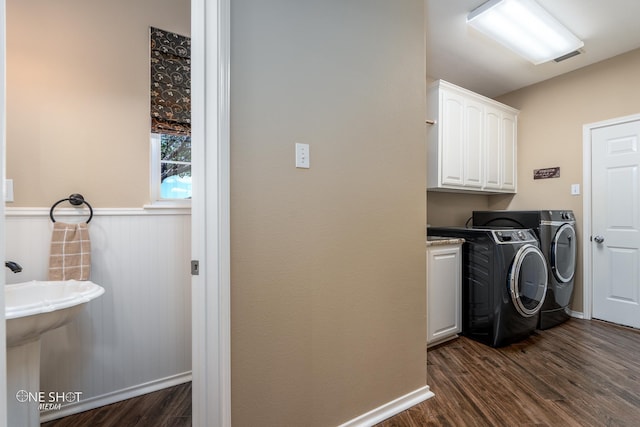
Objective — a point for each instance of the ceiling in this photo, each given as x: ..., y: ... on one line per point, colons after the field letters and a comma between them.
x: 459, y: 54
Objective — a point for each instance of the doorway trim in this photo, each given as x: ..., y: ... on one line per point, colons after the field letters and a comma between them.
x: 3, y: 127
x: 211, y: 313
x: 587, y: 261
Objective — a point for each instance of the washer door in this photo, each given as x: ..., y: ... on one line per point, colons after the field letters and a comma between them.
x: 528, y: 280
x: 563, y: 253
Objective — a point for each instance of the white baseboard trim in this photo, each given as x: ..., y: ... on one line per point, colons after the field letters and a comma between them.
x: 390, y: 409
x: 576, y: 314
x: 115, y: 396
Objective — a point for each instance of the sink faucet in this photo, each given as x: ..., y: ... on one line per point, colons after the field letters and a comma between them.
x: 13, y: 266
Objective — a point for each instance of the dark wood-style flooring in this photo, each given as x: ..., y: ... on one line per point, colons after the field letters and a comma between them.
x: 170, y: 407
x: 581, y: 373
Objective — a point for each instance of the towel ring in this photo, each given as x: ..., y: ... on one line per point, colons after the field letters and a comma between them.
x: 75, y: 200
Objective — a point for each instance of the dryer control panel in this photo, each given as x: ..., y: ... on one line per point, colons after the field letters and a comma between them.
x: 556, y: 216
x: 514, y: 236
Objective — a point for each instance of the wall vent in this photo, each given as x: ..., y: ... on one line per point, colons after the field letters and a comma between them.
x: 568, y: 55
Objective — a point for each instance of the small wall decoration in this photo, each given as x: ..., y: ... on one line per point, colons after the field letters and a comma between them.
x: 546, y: 173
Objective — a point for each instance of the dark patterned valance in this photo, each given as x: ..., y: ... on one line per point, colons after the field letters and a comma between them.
x: 170, y: 83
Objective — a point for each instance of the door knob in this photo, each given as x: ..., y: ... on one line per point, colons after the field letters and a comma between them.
x: 598, y: 239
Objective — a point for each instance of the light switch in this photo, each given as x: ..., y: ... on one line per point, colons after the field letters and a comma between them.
x: 8, y: 190
x: 575, y: 189
x: 302, y: 155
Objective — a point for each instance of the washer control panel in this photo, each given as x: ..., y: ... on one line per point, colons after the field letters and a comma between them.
x: 514, y: 236
x: 558, y: 215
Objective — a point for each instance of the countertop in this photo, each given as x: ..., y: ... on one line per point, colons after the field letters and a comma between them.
x: 442, y: 241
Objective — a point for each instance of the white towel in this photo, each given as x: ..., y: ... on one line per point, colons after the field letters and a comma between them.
x: 70, y: 255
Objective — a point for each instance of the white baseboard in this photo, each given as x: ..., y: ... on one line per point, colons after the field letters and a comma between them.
x: 390, y: 409
x: 113, y: 397
x: 576, y: 314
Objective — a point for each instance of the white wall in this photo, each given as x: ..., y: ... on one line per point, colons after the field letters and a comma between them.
x: 137, y: 336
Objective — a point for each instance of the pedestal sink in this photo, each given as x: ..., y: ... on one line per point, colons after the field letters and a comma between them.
x: 32, y: 309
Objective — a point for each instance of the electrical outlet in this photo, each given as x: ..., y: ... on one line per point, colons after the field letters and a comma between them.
x: 302, y: 155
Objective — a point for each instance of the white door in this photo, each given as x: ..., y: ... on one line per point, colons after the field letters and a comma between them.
x: 615, y: 230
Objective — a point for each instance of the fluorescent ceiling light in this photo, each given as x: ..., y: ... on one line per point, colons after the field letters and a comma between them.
x: 524, y: 27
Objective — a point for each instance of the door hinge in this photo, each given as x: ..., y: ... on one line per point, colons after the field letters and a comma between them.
x: 195, y: 267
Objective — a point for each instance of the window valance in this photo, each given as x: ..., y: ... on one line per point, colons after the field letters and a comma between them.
x: 170, y: 83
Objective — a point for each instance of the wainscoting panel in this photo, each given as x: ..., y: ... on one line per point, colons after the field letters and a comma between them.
x: 139, y: 331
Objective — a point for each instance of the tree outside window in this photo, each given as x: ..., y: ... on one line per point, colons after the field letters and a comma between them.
x: 175, y: 166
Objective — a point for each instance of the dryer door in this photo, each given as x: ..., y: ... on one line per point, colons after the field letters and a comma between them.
x: 563, y: 253
x: 528, y: 280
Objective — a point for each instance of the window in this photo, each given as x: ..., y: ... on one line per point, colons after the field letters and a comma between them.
x: 170, y: 116
x: 171, y: 163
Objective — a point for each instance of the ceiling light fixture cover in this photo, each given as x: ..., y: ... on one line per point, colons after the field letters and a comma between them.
x: 524, y: 27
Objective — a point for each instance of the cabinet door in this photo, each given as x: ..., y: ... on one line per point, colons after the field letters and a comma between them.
x: 493, y: 151
x: 452, y: 139
x: 509, y: 132
x: 444, y: 302
x: 473, y: 147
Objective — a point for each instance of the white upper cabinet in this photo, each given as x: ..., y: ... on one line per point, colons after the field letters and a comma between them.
x: 472, y: 144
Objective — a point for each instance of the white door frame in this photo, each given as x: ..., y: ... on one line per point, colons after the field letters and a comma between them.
x: 3, y: 133
x: 587, y: 261
x: 211, y: 344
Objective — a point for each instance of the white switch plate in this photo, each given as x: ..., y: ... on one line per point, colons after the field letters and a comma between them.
x: 302, y: 155
x: 575, y: 189
x: 8, y: 190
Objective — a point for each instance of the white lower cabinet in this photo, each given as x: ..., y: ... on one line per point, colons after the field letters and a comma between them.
x: 444, y: 292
